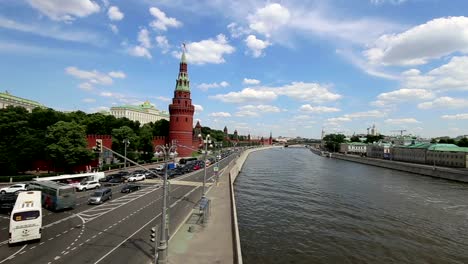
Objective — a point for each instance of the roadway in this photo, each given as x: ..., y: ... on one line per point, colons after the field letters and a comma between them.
x: 117, y: 231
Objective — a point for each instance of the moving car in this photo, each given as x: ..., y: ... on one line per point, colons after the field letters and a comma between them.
x: 14, y: 188
x: 136, y: 177
x: 100, y: 196
x: 128, y: 188
x: 88, y: 185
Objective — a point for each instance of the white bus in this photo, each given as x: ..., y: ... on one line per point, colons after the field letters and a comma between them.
x: 26, y: 218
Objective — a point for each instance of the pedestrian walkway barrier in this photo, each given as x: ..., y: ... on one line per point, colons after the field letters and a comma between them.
x: 205, y: 210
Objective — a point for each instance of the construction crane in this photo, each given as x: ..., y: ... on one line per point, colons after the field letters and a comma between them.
x: 399, y: 130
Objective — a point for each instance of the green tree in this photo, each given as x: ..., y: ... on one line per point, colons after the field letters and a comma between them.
x: 355, y: 139
x: 118, y: 137
x: 463, y: 142
x: 372, y: 138
x: 16, y: 138
x: 333, y: 141
x: 433, y: 141
x: 161, y: 128
x: 66, y: 145
x: 146, y: 143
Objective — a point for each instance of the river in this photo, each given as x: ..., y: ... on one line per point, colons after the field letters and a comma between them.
x: 297, y: 207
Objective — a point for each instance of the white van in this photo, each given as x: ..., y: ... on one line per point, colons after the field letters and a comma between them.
x: 26, y: 218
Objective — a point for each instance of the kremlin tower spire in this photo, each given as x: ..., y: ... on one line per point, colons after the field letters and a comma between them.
x: 181, y: 111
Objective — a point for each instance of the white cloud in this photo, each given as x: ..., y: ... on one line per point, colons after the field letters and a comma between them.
x: 402, y: 95
x: 250, y: 81
x: 89, y: 100
x: 220, y: 114
x: 318, y: 109
x: 418, y: 45
x: 115, y: 14
x: 256, y: 46
x: 86, y: 86
x: 247, y: 113
x: 269, y: 18
x: 114, y: 28
x: 450, y: 76
x: 68, y: 10
x: 401, y: 121
x: 105, y: 3
x: 260, y: 108
x: 357, y: 115
x: 55, y: 32
x: 463, y: 116
x: 139, y: 51
x: 93, y: 77
x: 162, y: 22
x: 198, y: 108
x: 144, y: 38
x: 394, y: 2
x: 163, y: 98
x: 339, y: 119
x: 207, y: 51
x: 236, y: 30
x: 117, y: 74
x: 163, y: 44
x: 206, y: 86
x: 106, y: 94
x: 367, y: 114
x: 444, y: 102
x: 309, y: 92
x: 246, y: 95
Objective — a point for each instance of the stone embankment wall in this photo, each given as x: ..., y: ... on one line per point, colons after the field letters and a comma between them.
x: 433, y: 171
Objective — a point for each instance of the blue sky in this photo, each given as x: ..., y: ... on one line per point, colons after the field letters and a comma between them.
x: 290, y: 67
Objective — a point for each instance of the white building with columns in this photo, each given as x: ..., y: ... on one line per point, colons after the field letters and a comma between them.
x: 144, y: 113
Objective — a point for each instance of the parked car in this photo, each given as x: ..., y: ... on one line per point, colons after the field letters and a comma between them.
x: 7, y: 201
x: 88, y: 185
x: 100, y: 196
x: 128, y: 188
x: 14, y: 188
x: 136, y: 177
x: 160, y: 167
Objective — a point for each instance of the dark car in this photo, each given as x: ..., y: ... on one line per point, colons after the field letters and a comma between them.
x: 128, y: 188
x: 116, y: 180
x: 7, y: 201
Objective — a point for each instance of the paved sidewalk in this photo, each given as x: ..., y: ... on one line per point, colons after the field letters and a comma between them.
x: 212, y: 242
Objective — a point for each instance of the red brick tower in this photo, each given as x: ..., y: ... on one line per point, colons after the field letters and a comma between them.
x: 181, y: 112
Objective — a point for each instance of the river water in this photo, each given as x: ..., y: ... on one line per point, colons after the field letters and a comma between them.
x: 297, y: 207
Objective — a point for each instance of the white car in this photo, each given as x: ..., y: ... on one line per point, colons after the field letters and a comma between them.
x: 13, y: 188
x: 136, y: 177
x: 160, y: 167
x: 88, y: 185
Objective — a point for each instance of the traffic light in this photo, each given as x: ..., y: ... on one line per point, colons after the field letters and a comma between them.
x: 98, y: 145
x: 153, y: 234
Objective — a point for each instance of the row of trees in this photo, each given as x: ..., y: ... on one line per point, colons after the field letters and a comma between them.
x: 60, y: 138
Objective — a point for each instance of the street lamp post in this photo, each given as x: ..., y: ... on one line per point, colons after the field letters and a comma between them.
x: 166, y: 150
x: 126, y: 142
x: 206, y: 141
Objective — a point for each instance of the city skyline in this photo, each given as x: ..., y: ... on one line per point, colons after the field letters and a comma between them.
x: 288, y: 67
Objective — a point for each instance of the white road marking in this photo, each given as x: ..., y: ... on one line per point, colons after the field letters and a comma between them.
x: 13, y: 255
